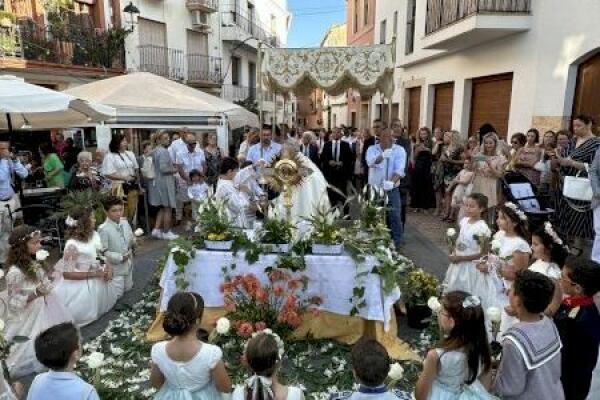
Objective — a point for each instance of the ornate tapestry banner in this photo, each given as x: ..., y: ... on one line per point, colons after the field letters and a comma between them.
x: 332, y: 69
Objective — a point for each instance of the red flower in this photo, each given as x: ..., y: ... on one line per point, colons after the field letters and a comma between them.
x: 290, y: 302
x: 226, y: 287
x: 260, y: 326
x: 275, y: 275
x: 294, y: 319
x: 229, y: 305
x: 294, y: 284
x: 245, y: 330
x: 251, y: 284
x: 278, y: 291
x: 260, y: 295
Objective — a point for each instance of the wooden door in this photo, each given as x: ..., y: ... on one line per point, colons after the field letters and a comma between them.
x: 414, y: 110
x: 442, y: 106
x: 490, y: 103
x: 587, y: 98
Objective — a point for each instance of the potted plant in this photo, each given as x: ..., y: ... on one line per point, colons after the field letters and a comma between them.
x: 276, y: 232
x: 417, y: 287
x: 214, y: 225
x: 326, y: 236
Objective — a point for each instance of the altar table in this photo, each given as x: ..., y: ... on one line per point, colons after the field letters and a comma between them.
x: 332, y: 278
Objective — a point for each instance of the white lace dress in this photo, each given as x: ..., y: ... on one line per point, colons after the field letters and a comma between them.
x: 191, y: 380
x: 463, y: 275
x: 549, y: 269
x: 86, y: 299
x: 450, y: 382
x: 493, y: 289
x: 29, y: 319
x: 236, y: 202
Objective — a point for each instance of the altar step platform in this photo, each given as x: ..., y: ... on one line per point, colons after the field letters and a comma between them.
x: 332, y: 278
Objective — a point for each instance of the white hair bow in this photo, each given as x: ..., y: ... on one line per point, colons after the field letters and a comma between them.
x: 70, y: 221
x: 266, y: 383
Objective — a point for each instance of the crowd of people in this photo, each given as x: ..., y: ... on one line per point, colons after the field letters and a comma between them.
x: 549, y: 325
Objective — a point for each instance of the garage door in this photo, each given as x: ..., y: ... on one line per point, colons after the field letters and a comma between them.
x: 442, y: 106
x: 414, y: 109
x: 490, y: 103
x: 587, y: 100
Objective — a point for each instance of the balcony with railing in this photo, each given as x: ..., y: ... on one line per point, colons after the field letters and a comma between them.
x: 203, y: 69
x: 69, y: 45
x: 459, y: 24
x: 237, y: 27
x: 235, y: 93
x: 174, y: 64
x: 206, y: 6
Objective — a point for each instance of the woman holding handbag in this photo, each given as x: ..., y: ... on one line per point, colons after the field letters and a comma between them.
x: 575, y: 217
x: 121, y: 167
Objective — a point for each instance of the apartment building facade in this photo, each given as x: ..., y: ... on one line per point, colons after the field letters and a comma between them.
x: 245, y: 24
x: 61, y: 46
x: 360, y: 22
x: 513, y: 63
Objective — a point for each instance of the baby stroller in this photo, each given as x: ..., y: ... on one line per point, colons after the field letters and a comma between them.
x: 518, y: 189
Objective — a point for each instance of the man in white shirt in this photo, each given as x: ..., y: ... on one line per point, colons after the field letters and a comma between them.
x: 192, y: 157
x: 265, y: 152
x: 387, y: 162
x: 252, y: 138
x: 9, y: 166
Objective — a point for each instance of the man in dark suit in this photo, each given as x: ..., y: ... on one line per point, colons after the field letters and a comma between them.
x: 309, y: 148
x: 337, y: 164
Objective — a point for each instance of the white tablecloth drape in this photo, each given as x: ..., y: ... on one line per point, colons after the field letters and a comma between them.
x: 330, y: 277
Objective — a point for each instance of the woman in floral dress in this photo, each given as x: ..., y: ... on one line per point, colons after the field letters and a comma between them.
x: 213, y: 156
x: 32, y: 304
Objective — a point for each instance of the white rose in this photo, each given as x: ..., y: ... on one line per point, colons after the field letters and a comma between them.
x: 496, y: 244
x: 139, y: 232
x: 41, y: 255
x: 1, y: 273
x: 223, y: 326
x: 396, y: 372
x: 494, y: 314
x: 95, y: 360
x: 1, y: 325
x: 451, y: 232
x: 434, y: 304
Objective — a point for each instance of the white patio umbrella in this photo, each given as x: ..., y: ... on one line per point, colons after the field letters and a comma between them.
x: 28, y: 106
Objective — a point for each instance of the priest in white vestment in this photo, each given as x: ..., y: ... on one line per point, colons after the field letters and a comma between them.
x: 307, y: 197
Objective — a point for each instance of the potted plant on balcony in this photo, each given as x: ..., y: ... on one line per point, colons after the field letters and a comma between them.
x: 276, y: 232
x: 214, y: 225
x: 326, y: 235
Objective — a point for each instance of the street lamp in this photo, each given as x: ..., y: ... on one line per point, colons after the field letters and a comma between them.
x: 132, y: 10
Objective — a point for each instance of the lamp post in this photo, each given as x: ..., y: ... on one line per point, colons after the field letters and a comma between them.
x: 132, y: 10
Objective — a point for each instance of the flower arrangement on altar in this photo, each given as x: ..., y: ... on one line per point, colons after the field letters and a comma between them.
x: 213, y: 222
x: 371, y: 209
x: 326, y: 236
x: 276, y: 231
x: 279, y: 305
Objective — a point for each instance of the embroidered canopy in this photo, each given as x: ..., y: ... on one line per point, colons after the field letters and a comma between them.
x: 333, y: 69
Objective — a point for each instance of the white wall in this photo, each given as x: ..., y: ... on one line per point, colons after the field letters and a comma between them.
x: 543, y: 60
x: 177, y: 19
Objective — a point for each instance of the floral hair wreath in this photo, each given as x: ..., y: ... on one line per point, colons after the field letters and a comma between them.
x: 471, y: 301
x: 513, y: 207
x: 549, y: 229
x: 70, y: 221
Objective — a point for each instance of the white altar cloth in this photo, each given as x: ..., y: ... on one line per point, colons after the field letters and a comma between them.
x: 330, y: 277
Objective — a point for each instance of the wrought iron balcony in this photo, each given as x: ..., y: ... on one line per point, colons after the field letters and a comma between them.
x: 237, y: 93
x: 207, y: 6
x: 70, y: 44
x: 202, y: 68
x: 162, y: 61
x: 234, y: 22
x: 458, y: 24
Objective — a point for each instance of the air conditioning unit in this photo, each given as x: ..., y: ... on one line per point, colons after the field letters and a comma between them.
x: 200, y: 20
